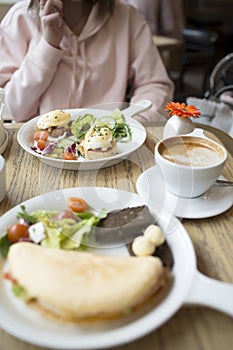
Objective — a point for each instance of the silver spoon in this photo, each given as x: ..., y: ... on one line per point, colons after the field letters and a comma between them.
x: 223, y: 183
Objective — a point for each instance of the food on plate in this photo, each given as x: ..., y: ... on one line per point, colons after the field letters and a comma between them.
x: 65, y: 229
x: 82, y: 285
x: 77, y: 227
x: 59, y: 136
x: 81, y: 125
x: 17, y: 231
x: 77, y: 205
x: 161, y: 251
x: 123, y: 225
x: 142, y: 246
x: 51, y: 268
x: 154, y: 234
x: 55, y: 122
x: 146, y: 243
x: 135, y: 226
x: 98, y: 143
x: 50, y: 127
x: 40, y: 139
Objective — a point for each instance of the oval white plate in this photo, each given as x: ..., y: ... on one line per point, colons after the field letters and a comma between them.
x: 26, y: 324
x: 25, y: 139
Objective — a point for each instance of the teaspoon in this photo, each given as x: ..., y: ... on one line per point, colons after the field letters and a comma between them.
x: 223, y: 183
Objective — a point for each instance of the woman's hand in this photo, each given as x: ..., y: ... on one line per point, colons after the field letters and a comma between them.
x: 52, y: 21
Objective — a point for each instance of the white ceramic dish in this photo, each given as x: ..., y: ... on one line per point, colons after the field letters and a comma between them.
x: 25, y: 139
x: 151, y: 186
x: 5, y: 143
x: 189, y: 286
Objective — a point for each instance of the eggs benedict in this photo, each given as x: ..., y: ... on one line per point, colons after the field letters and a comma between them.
x: 55, y: 122
x: 98, y: 143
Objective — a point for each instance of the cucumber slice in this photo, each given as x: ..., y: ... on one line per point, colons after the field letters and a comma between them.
x: 57, y: 153
x: 63, y: 143
x: 107, y: 121
x: 81, y: 125
x: 118, y: 116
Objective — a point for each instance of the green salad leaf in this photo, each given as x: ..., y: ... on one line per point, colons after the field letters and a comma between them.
x: 4, y: 245
x: 23, y: 214
x: 66, y: 233
x: 115, y: 121
x: 20, y: 291
x: 80, y: 237
x: 121, y: 130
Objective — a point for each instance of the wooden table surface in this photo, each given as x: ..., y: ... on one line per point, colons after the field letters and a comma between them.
x: 166, y: 42
x: 190, y: 328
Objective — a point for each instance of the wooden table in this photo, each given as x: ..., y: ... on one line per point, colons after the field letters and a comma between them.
x: 166, y: 42
x: 191, y: 328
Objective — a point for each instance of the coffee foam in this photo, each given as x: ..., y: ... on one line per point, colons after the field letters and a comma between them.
x: 191, y: 151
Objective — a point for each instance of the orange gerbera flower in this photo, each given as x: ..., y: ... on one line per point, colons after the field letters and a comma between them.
x: 182, y: 110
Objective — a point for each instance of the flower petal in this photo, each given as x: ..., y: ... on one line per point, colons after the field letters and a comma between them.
x: 182, y: 110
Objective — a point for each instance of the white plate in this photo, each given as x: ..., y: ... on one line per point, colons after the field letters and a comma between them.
x: 25, y: 139
x: 151, y: 186
x: 5, y: 143
x: 26, y: 324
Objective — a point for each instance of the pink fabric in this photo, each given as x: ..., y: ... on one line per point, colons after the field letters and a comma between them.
x: 88, y: 70
x: 165, y: 17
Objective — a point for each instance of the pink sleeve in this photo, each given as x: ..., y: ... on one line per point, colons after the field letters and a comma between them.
x: 26, y: 67
x: 148, y: 73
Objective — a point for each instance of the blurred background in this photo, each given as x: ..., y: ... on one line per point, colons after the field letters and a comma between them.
x: 192, y: 36
x: 207, y: 37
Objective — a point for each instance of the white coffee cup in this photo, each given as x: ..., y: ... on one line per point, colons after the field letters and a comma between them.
x: 2, y: 178
x: 2, y: 133
x: 190, y: 164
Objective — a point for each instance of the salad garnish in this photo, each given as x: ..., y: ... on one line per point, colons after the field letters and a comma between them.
x: 65, y: 229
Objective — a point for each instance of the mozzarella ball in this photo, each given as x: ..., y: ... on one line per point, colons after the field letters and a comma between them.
x: 142, y: 246
x: 154, y: 234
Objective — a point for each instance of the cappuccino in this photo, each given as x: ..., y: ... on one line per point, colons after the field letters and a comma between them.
x: 191, y: 151
x: 189, y: 164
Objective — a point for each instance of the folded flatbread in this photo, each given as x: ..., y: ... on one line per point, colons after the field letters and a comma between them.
x: 81, y: 285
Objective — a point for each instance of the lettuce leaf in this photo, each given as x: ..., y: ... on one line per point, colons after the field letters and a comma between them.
x: 4, y: 245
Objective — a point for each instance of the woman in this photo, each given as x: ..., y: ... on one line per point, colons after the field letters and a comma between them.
x: 71, y: 54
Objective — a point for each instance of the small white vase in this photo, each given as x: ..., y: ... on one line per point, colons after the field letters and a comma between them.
x: 178, y: 126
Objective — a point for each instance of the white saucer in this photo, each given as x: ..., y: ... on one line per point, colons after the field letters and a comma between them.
x: 5, y: 143
x: 216, y: 200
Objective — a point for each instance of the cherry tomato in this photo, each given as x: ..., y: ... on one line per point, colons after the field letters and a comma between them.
x: 16, y: 232
x: 41, y: 144
x: 41, y: 135
x: 8, y: 276
x: 77, y: 204
x: 66, y: 214
x: 69, y: 156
